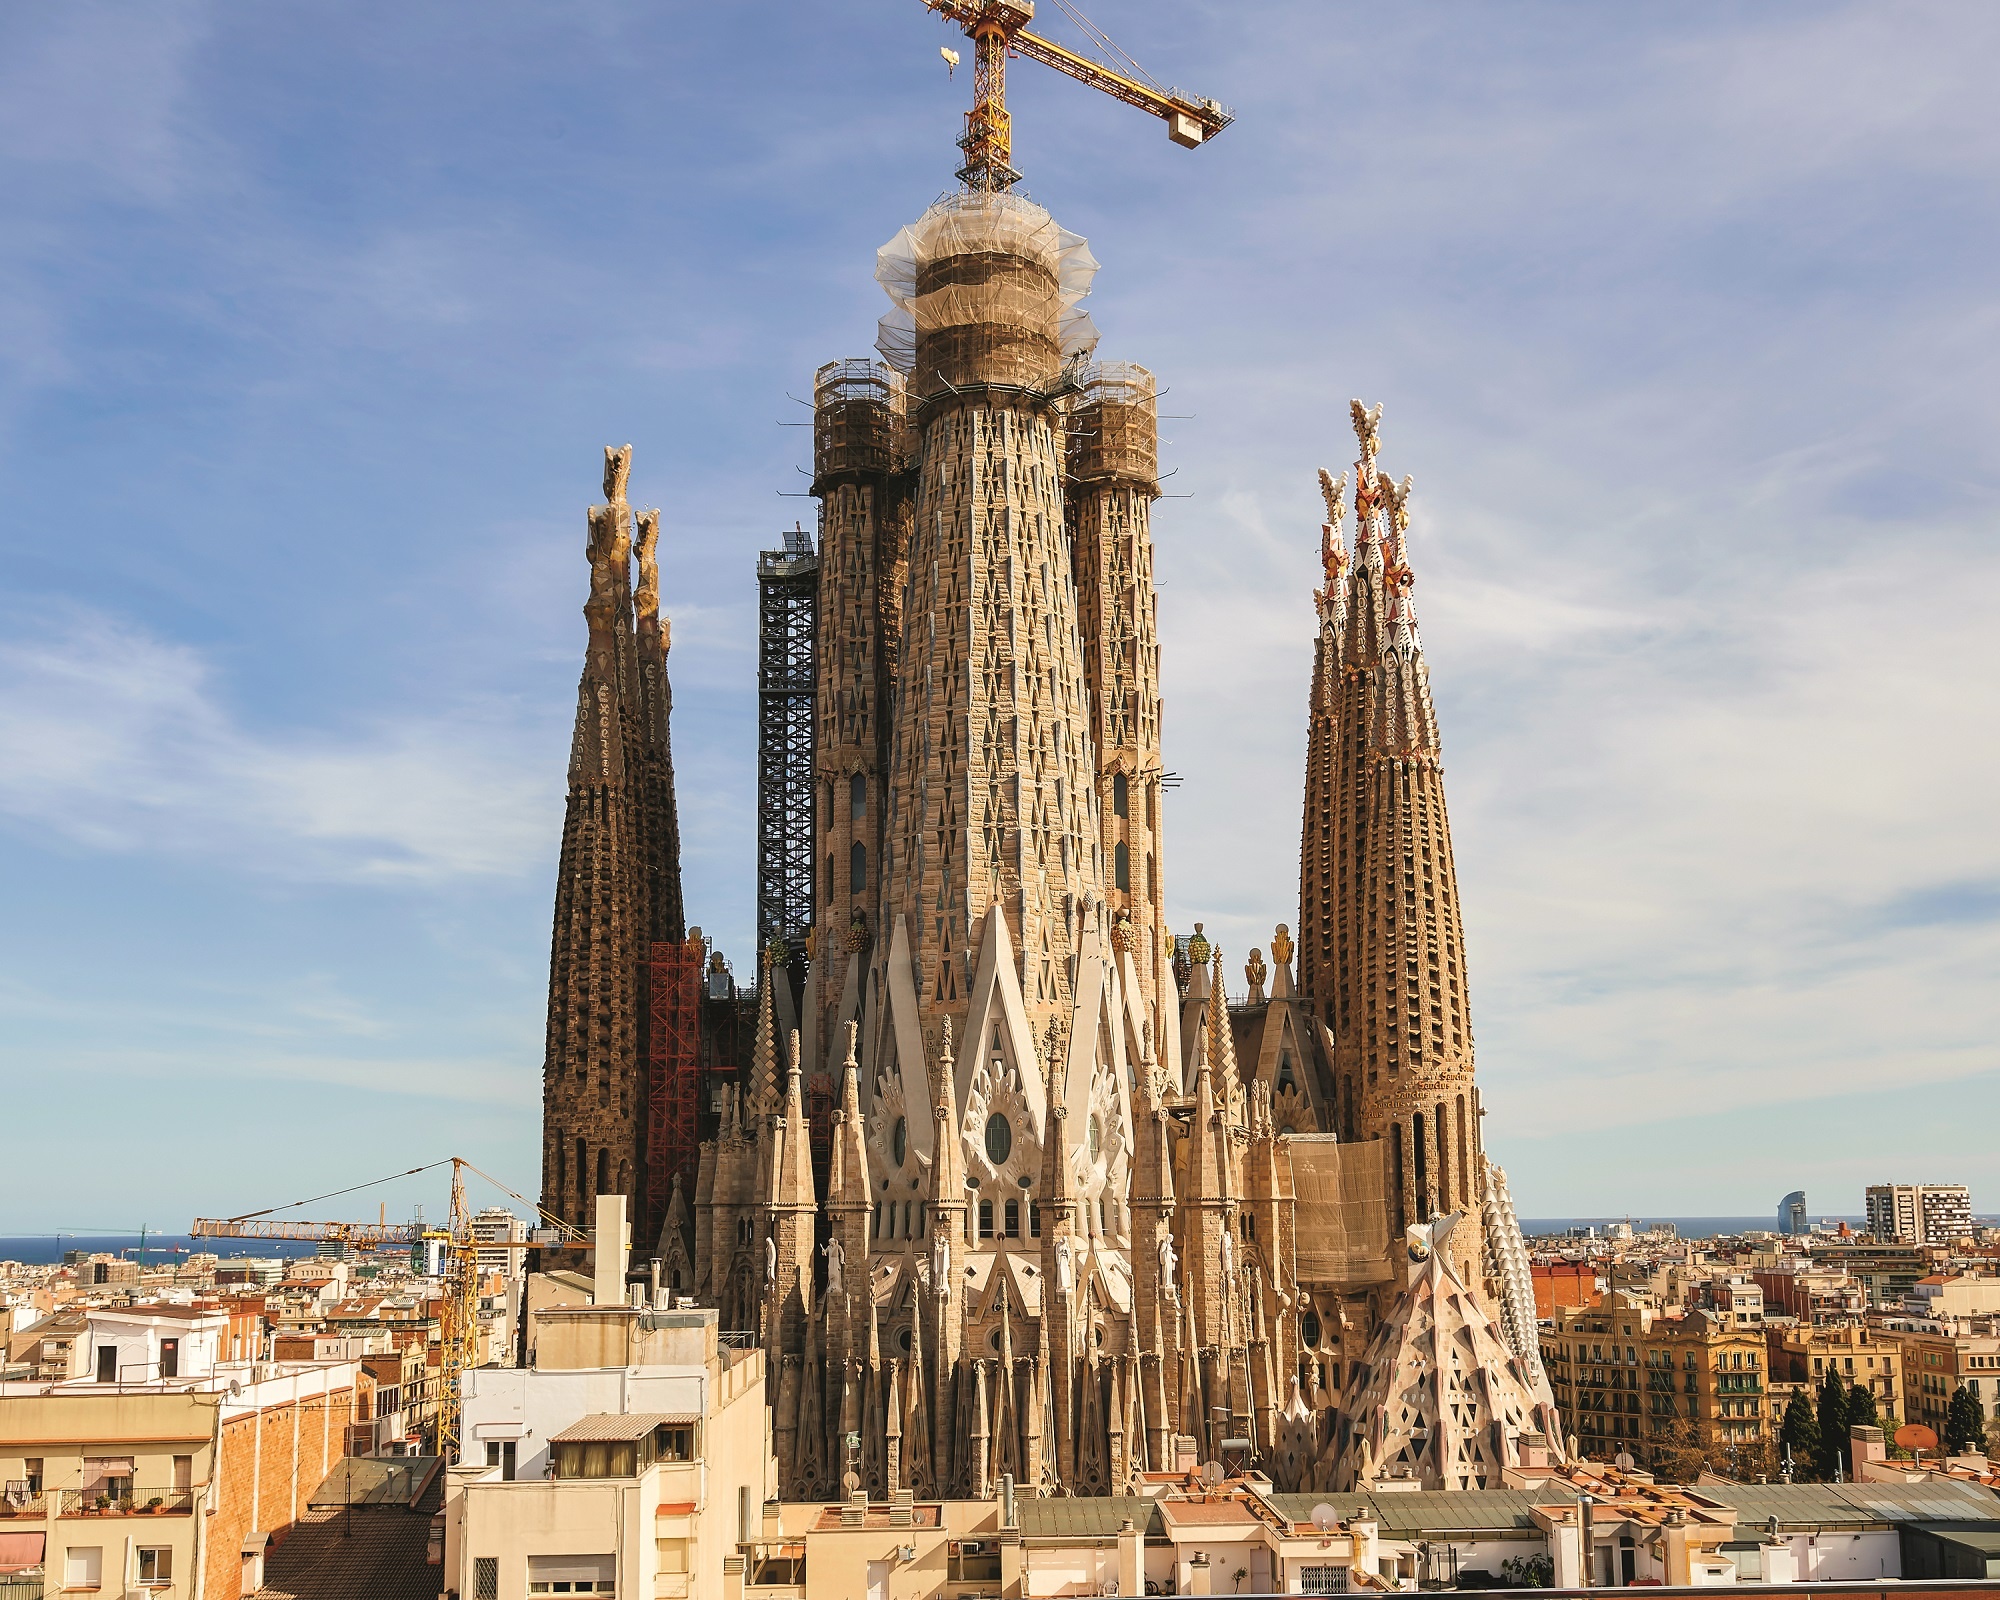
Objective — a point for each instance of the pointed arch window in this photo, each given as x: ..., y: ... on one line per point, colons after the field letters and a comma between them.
x: 857, y: 797
x: 857, y: 868
x: 603, y: 1170
x: 1121, y: 858
x: 1121, y: 795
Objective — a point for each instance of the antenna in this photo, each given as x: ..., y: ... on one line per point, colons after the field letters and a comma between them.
x: 1325, y: 1518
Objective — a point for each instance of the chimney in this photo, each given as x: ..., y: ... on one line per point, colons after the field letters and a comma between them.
x: 1131, y: 1558
x: 612, y: 1250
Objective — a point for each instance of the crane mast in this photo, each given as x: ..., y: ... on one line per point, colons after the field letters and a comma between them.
x: 999, y: 28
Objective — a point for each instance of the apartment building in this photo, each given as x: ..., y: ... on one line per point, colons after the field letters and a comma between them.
x: 1937, y: 1357
x: 1814, y: 1296
x: 1629, y: 1376
x: 633, y: 1457
x: 1803, y: 1355
x: 1919, y: 1213
x: 130, y: 1478
x: 1886, y: 1271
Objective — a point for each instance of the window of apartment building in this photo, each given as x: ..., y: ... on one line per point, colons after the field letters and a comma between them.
x: 500, y: 1453
x: 83, y: 1566
x: 170, y: 1358
x: 107, y: 1363
x: 156, y: 1563
x: 974, y: 1561
x: 673, y: 1555
x: 572, y: 1575
x: 183, y: 1474
x: 485, y: 1578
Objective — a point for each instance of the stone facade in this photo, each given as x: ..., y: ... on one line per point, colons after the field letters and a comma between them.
x: 1081, y: 1213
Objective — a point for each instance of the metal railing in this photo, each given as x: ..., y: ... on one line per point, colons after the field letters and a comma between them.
x: 139, y: 1503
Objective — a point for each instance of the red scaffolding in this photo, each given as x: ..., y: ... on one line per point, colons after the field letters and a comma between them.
x: 673, y: 1134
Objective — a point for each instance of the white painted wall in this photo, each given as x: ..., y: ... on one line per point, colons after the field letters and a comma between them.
x: 543, y: 1403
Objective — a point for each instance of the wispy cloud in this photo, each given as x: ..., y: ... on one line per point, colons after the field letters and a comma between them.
x: 117, y: 740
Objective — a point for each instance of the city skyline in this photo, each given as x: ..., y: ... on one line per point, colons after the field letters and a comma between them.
x: 282, y: 735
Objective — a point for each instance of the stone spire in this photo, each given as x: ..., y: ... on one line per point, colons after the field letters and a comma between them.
x: 660, y: 829
x: 593, y: 1092
x: 861, y: 474
x: 1415, y: 1030
x: 849, y: 1203
x: 1382, y: 948
x: 1154, y: 1261
x: 948, y: 1248
x: 1112, y: 462
x: 1319, y: 844
x: 993, y: 779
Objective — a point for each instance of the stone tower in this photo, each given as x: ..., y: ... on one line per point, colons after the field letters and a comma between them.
x: 1113, y: 456
x: 617, y: 880
x: 861, y: 463
x: 992, y: 792
x: 1382, y: 943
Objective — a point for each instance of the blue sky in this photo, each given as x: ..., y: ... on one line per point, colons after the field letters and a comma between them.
x: 314, y: 319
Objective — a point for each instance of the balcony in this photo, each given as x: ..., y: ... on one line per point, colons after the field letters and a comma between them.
x: 139, y: 1503
x: 18, y: 1500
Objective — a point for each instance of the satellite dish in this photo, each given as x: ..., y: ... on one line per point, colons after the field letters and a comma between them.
x: 1623, y: 1461
x: 1915, y: 1436
x: 1325, y: 1518
x: 1211, y: 1472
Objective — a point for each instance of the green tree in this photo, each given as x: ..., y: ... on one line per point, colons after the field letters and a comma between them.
x: 1861, y: 1412
x: 1964, y: 1423
x: 1832, y: 1426
x: 1800, y: 1435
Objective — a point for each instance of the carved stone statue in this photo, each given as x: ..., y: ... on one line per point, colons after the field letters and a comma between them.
x: 1065, y: 1273
x: 1169, y: 1266
x: 770, y: 1260
x: 941, y: 1263
x: 1228, y: 1255
x: 617, y: 471
x: 836, y: 1261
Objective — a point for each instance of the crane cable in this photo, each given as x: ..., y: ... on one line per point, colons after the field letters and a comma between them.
x: 372, y: 1183
x: 1093, y: 32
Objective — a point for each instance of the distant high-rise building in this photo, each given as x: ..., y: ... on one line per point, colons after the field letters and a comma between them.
x: 1919, y: 1213
x: 1792, y: 1212
x: 497, y: 1222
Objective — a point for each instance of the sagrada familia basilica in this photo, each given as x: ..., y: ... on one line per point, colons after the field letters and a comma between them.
x: 1008, y: 1182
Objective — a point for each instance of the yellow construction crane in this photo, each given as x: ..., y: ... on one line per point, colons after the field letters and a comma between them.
x: 998, y: 28
x: 458, y: 1321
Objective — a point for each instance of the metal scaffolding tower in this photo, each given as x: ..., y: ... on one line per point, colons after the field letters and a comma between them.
x: 787, y: 625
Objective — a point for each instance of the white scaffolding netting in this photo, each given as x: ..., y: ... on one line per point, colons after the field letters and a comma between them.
x: 984, y: 224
